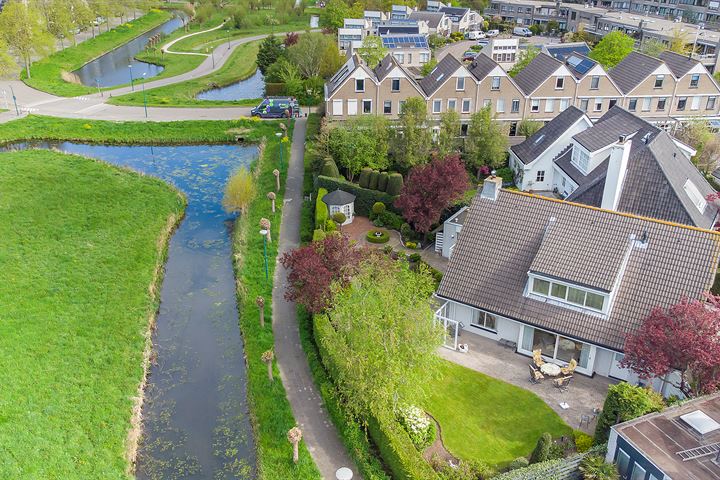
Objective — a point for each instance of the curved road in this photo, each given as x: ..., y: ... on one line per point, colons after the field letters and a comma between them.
x: 319, y: 433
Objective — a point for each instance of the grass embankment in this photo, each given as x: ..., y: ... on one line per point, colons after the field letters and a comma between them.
x: 239, y: 66
x: 487, y: 419
x: 46, y: 74
x: 270, y: 409
x: 82, y: 251
x: 35, y: 127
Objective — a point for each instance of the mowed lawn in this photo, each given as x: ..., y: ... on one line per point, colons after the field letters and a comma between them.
x: 78, y: 247
x: 486, y: 419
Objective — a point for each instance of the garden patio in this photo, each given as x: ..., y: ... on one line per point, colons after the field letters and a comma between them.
x: 489, y: 357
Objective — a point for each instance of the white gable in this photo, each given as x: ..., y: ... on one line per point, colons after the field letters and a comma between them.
x: 563, y: 70
x: 662, y: 70
x: 396, y: 73
x: 461, y: 72
x: 360, y: 73
x: 699, y: 68
x: 597, y: 70
x: 497, y: 72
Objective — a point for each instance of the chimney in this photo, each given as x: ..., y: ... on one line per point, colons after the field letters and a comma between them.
x: 491, y: 187
x: 615, y: 176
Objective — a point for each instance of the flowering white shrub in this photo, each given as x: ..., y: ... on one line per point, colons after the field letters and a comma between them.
x: 418, y: 425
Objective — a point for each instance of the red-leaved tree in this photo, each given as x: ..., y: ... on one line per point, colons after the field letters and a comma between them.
x: 685, y: 337
x: 291, y: 38
x: 430, y: 189
x: 314, y: 267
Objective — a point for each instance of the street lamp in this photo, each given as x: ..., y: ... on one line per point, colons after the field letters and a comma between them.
x: 97, y: 82
x: 132, y: 85
x: 212, y: 54
x: 264, y: 233
x: 228, y: 36
x: 17, y: 110
x: 144, y: 97
x: 279, y: 135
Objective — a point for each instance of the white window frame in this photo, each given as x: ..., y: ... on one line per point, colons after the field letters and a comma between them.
x: 584, y: 103
x: 694, y: 78
x: 640, y: 470
x: 559, y: 83
x: 580, y: 158
x: 437, y: 103
x: 564, y: 102
x: 495, y: 83
x: 714, y: 103
x: 487, y: 102
x: 540, y: 176
x: 352, y: 107
x: 460, y: 84
x: 400, y: 57
x: 661, y: 79
x: 630, y: 102
x: 385, y: 103
x: 563, y: 301
x: 646, y: 104
x: 452, y: 104
x: 534, y: 105
x: 549, y: 105
x: 515, y: 101
x: 695, y: 103
x: 337, y: 108
x: 479, y: 319
x: 392, y: 85
x: 468, y: 102
x: 595, y: 82
x: 597, y: 105
x: 364, y: 101
x: 500, y: 105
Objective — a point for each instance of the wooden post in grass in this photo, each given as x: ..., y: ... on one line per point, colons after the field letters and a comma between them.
x: 265, y: 225
x: 271, y: 197
x: 294, y: 436
x: 260, y: 302
x: 276, y: 172
x: 267, y: 357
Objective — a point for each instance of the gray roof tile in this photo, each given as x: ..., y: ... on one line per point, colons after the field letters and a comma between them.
x: 502, y: 240
x: 678, y: 64
x: 439, y: 75
x: 610, y: 126
x: 338, y: 197
x: 537, y: 72
x: 433, y: 19
x: 535, y: 145
x: 632, y: 70
x: 482, y: 66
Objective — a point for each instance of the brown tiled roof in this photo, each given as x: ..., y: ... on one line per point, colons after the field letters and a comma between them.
x: 536, y: 73
x: 501, y: 240
x: 632, y: 70
x: 659, y: 436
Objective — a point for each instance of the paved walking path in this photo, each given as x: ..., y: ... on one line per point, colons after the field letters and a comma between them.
x: 319, y: 433
x: 166, y: 47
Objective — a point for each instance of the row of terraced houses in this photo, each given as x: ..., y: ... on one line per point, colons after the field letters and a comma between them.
x: 660, y: 90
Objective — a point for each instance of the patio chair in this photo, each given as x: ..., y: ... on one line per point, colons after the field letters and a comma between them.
x: 537, y: 358
x: 535, y: 375
x: 570, y: 369
x: 563, y: 383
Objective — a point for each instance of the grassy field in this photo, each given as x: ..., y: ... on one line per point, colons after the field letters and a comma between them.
x: 240, y: 66
x: 489, y: 420
x: 46, y: 74
x: 80, y: 247
x: 35, y: 127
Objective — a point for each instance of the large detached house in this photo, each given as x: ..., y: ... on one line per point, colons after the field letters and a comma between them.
x: 622, y: 163
x: 569, y: 279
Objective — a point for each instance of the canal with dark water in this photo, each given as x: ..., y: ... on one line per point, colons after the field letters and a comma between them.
x: 252, y: 87
x: 195, y: 416
x: 112, y: 68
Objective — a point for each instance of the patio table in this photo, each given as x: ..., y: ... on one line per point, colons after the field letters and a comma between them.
x: 550, y: 369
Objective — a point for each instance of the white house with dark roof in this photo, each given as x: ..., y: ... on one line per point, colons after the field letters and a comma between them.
x: 621, y: 162
x: 568, y: 279
x: 463, y: 19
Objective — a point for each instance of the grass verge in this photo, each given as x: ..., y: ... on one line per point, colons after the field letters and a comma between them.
x: 240, y: 65
x: 46, y: 74
x: 35, y: 127
x: 486, y: 419
x: 82, y: 251
x: 270, y: 410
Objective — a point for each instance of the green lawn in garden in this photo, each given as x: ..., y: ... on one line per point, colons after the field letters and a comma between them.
x: 240, y: 66
x: 79, y: 247
x: 46, y: 74
x: 486, y: 419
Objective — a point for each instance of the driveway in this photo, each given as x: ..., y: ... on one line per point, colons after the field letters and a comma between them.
x: 455, y: 49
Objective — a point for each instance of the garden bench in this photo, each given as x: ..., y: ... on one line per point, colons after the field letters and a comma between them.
x: 508, y: 343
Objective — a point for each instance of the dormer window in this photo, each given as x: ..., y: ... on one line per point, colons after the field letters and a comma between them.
x: 659, y: 81
x: 460, y: 85
x: 359, y: 84
x: 695, y: 196
x: 569, y: 295
x: 580, y: 158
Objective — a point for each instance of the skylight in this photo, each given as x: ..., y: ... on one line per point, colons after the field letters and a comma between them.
x: 695, y: 196
x: 700, y: 422
x: 539, y: 139
x: 440, y: 77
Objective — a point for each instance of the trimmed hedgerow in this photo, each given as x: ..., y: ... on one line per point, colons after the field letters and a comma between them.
x: 372, y: 236
x: 364, y: 198
x: 395, y: 184
x: 321, y: 210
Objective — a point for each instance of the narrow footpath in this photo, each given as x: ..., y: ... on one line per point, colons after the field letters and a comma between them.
x: 318, y: 431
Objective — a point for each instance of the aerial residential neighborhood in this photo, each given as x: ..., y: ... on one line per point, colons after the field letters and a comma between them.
x: 334, y: 239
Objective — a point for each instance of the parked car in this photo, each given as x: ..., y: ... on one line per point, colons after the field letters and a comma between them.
x: 483, y: 43
x: 492, y: 33
x: 275, y: 107
x: 522, y: 31
x: 475, y: 35
x: 469, y: 56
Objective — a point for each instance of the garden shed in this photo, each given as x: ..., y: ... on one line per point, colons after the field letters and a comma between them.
x: 341, y: 201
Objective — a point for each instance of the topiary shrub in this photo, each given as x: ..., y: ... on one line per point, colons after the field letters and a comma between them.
x: 330, y: 225
x: 339, y: 218
x: 364, y: 179
x: 542, y: 449
x: 406, y: 231
x: 395, y: 184
x: 378, y: 222
x: 318, y: 235
x: 414, y: 257
x: 520, y: 462
x: 377, y: 236
x: 411, y: 245
x: 330, y: 169
x: 374, y: 177
x: 378, y: 208
x: 321, y: 210
x: 383, y: 181
x: 583, y: 441
x: 391, y: 220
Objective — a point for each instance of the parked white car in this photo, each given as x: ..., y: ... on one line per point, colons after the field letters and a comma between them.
x: 493, y: 33
x: 522, y: 31
x: 475, y: 35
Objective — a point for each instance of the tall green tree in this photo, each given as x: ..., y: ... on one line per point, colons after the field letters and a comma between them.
x: 309, y: 53
x: 81, y: 15
x: 331, y: 60
x: 652, y: 47
x: 486, y: 142
x: 372, y: 50
x: 359, y: 142
x: 60, y: 21
x: 412, y: 140
x: 612, y: 49
x: 22, y: 29
x: 268, y: 53
x: 524, y: 58
x: 334, y: 14
x: 447, y: 141
x: 384, y: 338
x: 679, y: 42
x: 7, y: 62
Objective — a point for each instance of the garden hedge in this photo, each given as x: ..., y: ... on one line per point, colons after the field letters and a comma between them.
x: 372, y: 238
x: 396, y: 448
x: 364, y: 179
x: 321, y: 210
x: 330, y: 169
x: 364, y: 198
x: 395, y: 184
x: 374, y: 177
x: 383, y: 181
